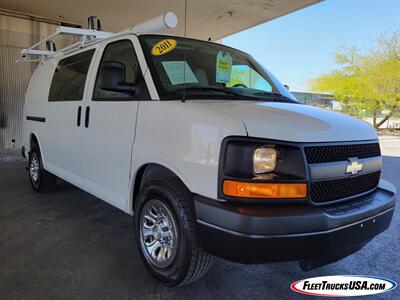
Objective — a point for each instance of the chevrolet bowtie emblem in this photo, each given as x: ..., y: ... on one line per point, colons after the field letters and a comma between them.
x: 354, y: 167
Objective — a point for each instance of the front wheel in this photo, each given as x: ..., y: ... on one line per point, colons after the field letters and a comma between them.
x: 166, y: 234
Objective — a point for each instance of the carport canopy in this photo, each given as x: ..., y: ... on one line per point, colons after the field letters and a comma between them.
x: 205, y: 18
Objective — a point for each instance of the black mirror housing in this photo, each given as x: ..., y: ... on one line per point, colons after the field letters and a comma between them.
x: 112, y: 78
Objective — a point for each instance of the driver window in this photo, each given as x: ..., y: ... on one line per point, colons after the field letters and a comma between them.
x: 124, y: 53
x: 244, y: 76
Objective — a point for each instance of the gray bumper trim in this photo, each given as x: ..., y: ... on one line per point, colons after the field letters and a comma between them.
x: 295, y: 234
x: 281, y: 218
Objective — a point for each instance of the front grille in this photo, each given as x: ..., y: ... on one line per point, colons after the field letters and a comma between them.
x: 331, y: 190
x: 324, y: 154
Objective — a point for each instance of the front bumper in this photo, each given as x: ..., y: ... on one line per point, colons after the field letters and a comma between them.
x: 253, y: 233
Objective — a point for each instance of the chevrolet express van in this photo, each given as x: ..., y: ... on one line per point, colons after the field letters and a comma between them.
x: 208, y: 151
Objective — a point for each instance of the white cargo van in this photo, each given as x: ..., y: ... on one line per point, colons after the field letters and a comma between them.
x: 208, y: 152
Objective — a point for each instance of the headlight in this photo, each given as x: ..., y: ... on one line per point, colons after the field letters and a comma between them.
x: 264, y: 160
x: 251, y: 171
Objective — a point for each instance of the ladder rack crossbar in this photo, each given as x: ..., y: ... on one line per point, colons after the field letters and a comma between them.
x: 83, y: 32
x: 36, y: 52
x: 87, y: 36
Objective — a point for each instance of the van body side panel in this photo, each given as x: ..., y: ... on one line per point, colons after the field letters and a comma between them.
x: 35, y: 108
x: 63, y: 137
x: 63, y: 142
x: 185, y: 138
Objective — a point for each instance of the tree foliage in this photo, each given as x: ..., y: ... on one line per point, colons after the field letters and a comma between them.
x: 366, y: 83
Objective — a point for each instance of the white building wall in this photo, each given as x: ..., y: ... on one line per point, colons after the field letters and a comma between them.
x: 15, y: 34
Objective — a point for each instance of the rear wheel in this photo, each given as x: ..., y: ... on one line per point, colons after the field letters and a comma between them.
x: 166, y: 234
x: 41, y: 180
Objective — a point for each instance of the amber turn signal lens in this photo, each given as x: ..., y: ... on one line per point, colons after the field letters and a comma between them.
x: 264, y: 190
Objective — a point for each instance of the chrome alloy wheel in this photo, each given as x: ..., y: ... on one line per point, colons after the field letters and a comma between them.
x: 34, y: 167
x: 158, y: 233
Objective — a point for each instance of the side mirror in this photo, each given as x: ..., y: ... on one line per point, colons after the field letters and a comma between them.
x: 286, y: 86
x: 112, y: 78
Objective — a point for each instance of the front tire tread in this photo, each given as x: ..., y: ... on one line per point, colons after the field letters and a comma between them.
x: 200, y: 261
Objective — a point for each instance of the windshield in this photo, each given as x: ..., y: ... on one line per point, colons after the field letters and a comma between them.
x: 192, y: 69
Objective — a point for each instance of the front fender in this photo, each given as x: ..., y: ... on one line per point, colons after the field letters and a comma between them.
x: 185, y: 138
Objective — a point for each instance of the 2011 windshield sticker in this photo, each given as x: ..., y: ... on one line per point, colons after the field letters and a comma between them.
x: 223, y: 67
x: 163, y: 47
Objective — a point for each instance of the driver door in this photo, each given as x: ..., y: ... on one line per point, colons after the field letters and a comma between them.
x: 110, y: 124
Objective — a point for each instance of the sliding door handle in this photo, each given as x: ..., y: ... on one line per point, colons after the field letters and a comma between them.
x: 78, y: 118
x: 87, y: 116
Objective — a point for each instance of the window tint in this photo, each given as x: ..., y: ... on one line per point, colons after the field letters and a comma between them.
x: 245, y: 76
x: 124, y: 53
x: 69, y: 78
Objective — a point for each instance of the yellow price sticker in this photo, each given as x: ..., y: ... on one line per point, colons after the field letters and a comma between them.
x: 163, y: 47
x: 223, y: 65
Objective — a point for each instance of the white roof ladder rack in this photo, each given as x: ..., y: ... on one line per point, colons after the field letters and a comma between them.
x: 33, y: 54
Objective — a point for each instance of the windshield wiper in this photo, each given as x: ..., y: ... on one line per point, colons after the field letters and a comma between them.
x: 228, y: 91
x: 274, y: 95
x: 214, y: 89
x: 209, y: 88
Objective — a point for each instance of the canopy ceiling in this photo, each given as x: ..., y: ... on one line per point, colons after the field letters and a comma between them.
x: 205, y: 18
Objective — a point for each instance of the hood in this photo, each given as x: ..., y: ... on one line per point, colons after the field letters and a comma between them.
x: 294, y: 122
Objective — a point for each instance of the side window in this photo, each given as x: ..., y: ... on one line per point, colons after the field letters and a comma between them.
x: 69, y: 78
x: 121, y: 52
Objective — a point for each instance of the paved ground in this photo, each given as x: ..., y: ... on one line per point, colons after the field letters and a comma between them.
x: 70, y: 245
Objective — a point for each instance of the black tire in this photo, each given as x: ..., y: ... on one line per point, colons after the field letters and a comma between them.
x: 190, y: 262
x: 44, y: 181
